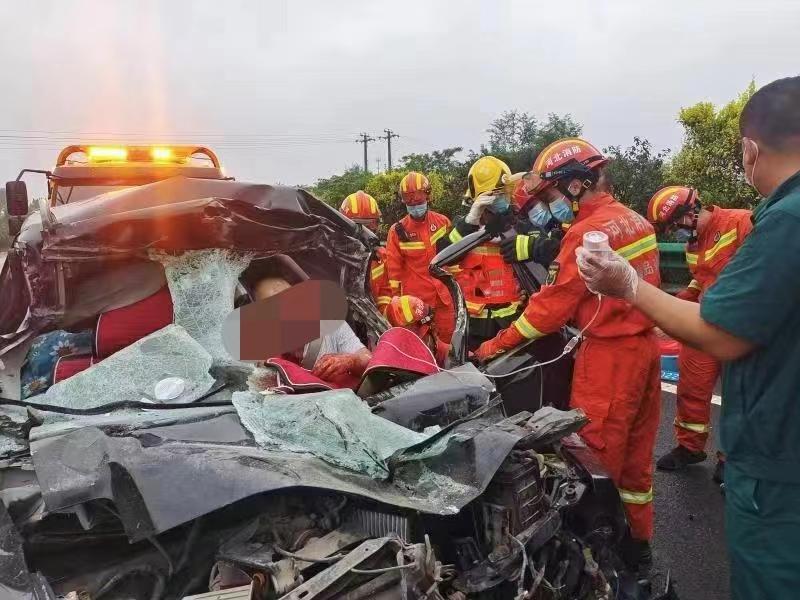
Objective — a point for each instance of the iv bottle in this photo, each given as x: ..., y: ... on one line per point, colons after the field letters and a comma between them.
x: 596, y: 241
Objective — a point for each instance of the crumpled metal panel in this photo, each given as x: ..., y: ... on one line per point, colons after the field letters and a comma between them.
x: 16, y: 582
x: 130, y: 468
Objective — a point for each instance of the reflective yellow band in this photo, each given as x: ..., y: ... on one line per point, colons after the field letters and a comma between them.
x: 691, y: 259
x: 508, y: 311
x: 724, y: 241
x: 693, y: 284
x: 378, y: 271
x: 454, y: 269
x: 487, y: 250
x: 439, y: 234
x: 695, y: 427
x: 639, y: 247
x: 394, y: 284
x: 630, y: 497
x: 406, y: 306
x: 354, y: 204
x: 522, y: 247
x: 412, y: 245
x: 381, y: 300
x: 526, y: 329
x: 373, y: 204
x: 455, y: 236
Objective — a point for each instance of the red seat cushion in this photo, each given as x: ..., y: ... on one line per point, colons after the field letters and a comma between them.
x: 119, y: 328
x: 67, y: 366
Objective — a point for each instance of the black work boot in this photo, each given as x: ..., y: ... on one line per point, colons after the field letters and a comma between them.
x: 637, y: 555
x: 679, y: 458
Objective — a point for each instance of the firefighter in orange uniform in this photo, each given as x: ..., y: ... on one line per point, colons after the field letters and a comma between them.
x: 413, y: 314
x: 616, y: 377
x: 362, y: 208
x: 491, y: 290
x: 712, y: 235
x: 411, y: 245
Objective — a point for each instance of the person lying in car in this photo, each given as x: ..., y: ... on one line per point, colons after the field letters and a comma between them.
x: 332, y: 357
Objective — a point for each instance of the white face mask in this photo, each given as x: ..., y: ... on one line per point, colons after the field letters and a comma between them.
x: 750, y: 179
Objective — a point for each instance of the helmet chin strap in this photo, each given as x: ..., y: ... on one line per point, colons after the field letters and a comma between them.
x: 574, y: 198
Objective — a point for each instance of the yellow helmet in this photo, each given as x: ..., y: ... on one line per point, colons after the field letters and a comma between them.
x: 484, y: 175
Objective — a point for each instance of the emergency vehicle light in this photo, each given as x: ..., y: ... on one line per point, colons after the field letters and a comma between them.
x: 101, y: 153
x: 161, y: 154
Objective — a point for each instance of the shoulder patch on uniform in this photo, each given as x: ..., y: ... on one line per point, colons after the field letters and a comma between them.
x: 552, y: 273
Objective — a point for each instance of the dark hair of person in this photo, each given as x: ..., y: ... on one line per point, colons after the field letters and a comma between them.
x: 772, y: 115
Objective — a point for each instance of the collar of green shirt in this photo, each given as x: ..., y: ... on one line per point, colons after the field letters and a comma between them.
x: 780, y: 192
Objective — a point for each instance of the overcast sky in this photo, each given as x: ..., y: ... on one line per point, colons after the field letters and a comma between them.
x: 282, y: 88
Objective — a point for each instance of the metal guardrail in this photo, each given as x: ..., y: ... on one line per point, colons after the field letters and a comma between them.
x: 674, y: 271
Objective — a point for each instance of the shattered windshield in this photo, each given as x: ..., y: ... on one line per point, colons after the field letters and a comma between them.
x: 66, y: 194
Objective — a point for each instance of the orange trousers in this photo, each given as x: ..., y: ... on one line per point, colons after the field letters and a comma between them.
x: 698, y: 376
x: 444, y: 322
x: 617, y: 383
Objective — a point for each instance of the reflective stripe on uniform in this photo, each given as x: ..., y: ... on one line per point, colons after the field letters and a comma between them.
x: 394, y: 284
x: 631, y: 497
x: 691, y: 259
x: 437, y: 235
x: 381, y: 300
x: 693, y: 284
x: 639, y: 247
x: 476, y: 311
x: 724, y: 241
x: 522, y: 247
x: 526, y: 329
x: 508, y: 311
x: 405, y: 304
x: 695, y: 427
x: 412, y: 245
x: 455, y: 236
x: 487, y: 250
x: 378, y: 271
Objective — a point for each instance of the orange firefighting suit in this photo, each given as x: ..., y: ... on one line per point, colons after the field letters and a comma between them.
x: 616, y: 378
x: 379, y: 280
x: 706, y: 258
x: 410, y: 247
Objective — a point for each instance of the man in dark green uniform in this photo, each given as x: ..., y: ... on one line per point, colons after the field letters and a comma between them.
x: 750, y: 318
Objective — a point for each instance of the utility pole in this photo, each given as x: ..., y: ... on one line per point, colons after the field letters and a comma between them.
x: 365, y: 139
x: 388, y: 137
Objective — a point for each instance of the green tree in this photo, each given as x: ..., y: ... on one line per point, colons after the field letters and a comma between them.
x: 441, y: 161
x: 336, y: 188
x: 636, y: 172
x: 711, y: 157
x: 517, y: 138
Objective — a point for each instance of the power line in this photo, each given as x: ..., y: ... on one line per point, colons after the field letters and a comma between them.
x: 388, y: 137
x: 365, y: 139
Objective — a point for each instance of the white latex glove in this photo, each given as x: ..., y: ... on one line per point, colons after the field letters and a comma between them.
x: 478, y: 206
x: 607, y: 273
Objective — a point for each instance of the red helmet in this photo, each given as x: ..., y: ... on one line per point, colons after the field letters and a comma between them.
x: 415, y: 189
x: 671, y: 203
x: 570, y: 158
x: 405, y: 311
x: 360, y: 207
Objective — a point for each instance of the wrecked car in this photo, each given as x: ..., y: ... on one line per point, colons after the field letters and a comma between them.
x: 153, y: 465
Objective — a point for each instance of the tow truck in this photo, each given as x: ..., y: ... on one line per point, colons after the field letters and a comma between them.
x: 83, y: 171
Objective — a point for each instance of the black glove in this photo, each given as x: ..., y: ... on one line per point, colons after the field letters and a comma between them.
x: 496, y: 224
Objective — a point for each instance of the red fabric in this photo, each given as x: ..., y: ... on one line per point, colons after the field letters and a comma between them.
x: 616, y: 382
x: 407, y: 266
x: 691, y: 294
x: 698, y: 376
x: 119, y: 328
x: 67, y: 366
x: 379, y: 280
x: 669, y: 347
x: 486, y: 279
x: 299, y: 379
x: 567, y: 298
x: 711, y: 253
x: 401, y: 349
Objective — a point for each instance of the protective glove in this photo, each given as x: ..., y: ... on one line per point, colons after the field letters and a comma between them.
x: 476, y: 209
x: 607, y: 273
x: 334, y: 366
x: 508, y: 339
x: 691, y: 294
x: 518, y: 248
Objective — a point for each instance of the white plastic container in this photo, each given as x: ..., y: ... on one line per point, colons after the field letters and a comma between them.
x: 596, y: 241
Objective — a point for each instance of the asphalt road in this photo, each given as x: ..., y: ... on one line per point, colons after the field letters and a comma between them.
x: 689, y: 533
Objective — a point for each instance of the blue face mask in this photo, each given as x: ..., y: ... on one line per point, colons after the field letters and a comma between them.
x: 562, y: 210
x: 418, y: 211
x: 500, y: 206
x: 539, y: 215
x: 682, y: 236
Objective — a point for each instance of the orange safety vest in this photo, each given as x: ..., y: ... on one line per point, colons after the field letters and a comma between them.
x: 407, y: 260
x: 722, y: 236
x: 487, y: 280
x: 379, y: 280
x: 565, y: 297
